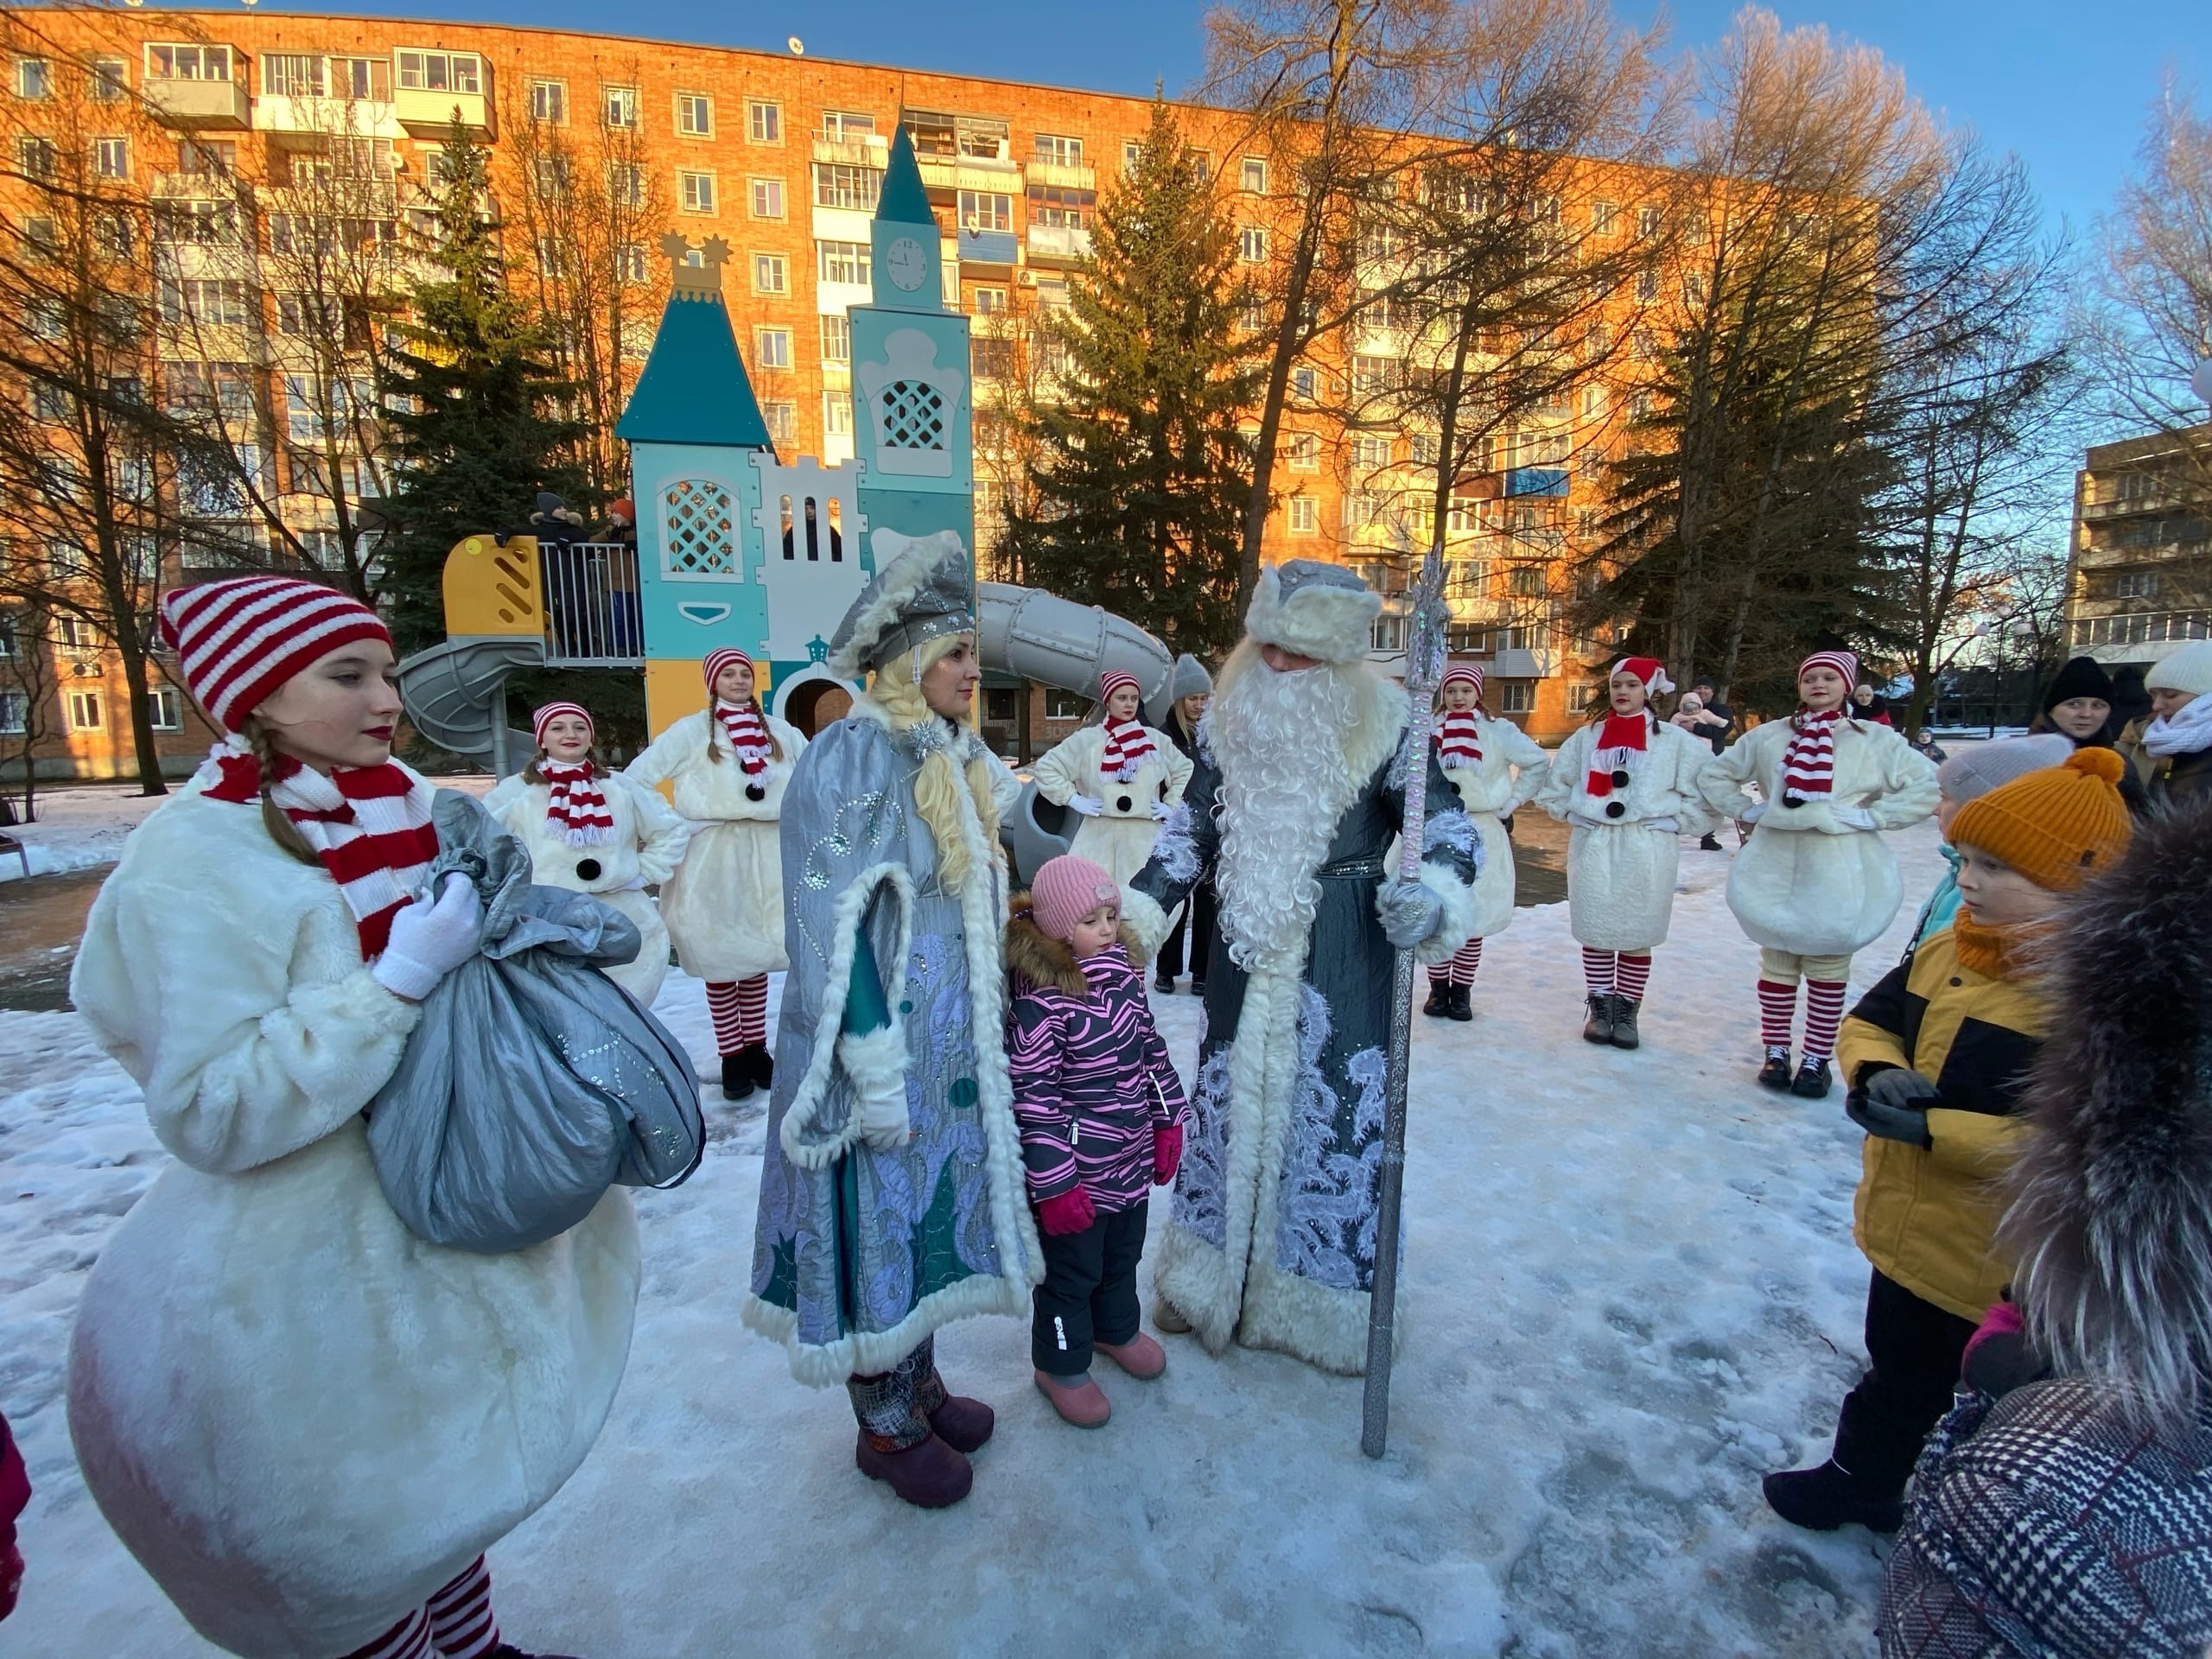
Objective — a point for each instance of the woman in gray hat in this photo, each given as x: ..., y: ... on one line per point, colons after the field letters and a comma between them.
x: 1189, y: 686
x: 892, y: 1191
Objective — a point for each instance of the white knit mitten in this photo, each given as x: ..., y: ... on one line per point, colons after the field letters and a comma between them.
x: 429, y: 941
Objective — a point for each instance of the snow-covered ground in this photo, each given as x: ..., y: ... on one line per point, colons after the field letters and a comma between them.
x: 77, y: 828
x: 1632, y: 1289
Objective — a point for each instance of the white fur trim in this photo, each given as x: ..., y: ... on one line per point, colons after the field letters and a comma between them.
x: 814, y: 1087
x: 1142, y: 916
x: 1456, y: 926
x: 876, y: 1063
x: 1335, y: 625
x: 868, y: 1353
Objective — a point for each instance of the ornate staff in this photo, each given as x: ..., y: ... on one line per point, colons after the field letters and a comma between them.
x: 1424, y: 668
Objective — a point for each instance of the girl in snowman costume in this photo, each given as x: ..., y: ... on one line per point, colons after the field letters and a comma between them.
x: 1629, y: 784
x: 594, y: 831
x: 729, y: 765
x: 1497, y: 767
x: 1123, y: 777
x: 1814, y: 881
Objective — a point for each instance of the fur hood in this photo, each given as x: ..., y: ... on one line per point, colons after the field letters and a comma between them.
x: 1038, y: 962
x: 2112, y: 1214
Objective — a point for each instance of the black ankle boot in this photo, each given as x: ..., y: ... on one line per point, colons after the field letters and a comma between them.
x: 760, y: 1065
x: 1439, y: 999
x: 1822, y: 1499
x: 1624, y: 1011
x: 1598, y: 1027
x: 737, y: 1075
x: 1459, y: 1010
x: 1812, y: 1081
x: 1774, y: 1074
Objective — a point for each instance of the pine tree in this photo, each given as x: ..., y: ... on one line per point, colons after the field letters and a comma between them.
x: 479, y: 418
x: 1142, y: 481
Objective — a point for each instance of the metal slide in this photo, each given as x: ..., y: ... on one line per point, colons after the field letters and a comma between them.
x: 451, y: 691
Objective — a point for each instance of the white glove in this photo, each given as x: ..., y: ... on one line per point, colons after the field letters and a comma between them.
x: 1751, y: 814
x: 1409, y: 913
x: 429, y: 941
x: 1857, y: 816
x: 1090, y: 805
x: 1162, y: 812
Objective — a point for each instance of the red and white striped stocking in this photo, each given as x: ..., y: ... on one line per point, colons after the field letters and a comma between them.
x: 1777, y: 1012
x: 461, y: 1623
x: 740, y: 1010
x: 408, y: 1639
x: 1461, y: 970
x: 1631, y: 975
x: 1598, y: 970
x: 1823, y: 1013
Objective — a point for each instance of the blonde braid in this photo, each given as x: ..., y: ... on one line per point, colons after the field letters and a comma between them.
x: 897, y: 689
x: 282, y: 829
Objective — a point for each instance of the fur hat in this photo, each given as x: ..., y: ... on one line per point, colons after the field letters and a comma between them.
x: 1065, y: 891
x: 1974, y: 772
x: 1188, y: 679
x: 2057, y: 827
x: 237, y: 641
x: 2189, y: 669
x: 2111, y: 1219
x: 1321, y: 611
x: 2082, y: 677
x: 921, y: 592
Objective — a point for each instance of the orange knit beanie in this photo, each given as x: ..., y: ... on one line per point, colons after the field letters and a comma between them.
x: 2057, y: 827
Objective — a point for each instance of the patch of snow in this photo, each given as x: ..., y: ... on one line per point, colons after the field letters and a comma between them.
x: 1630, y: 1290
x: 78, y: 827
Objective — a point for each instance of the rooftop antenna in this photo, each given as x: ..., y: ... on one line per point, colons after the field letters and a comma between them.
x: 797, y: 46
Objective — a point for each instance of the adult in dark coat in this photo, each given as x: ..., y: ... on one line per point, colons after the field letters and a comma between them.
x: 1717, y: 727
x: 2078, y: 705
x: 2064, y: 1507
x: 1189, y: 685
x: 1293, y: 805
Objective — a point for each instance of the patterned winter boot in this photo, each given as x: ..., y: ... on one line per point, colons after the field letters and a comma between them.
x: 896, y: 1443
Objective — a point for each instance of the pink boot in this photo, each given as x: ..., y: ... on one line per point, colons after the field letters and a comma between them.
x: 1077, y: 1399
x: 1141, y: 1356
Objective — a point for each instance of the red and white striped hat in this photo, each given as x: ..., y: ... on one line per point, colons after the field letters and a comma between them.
x: 1649, y: 669
x: 720, y: 659
x: 553, y: 711
x: 1843, y: 662
x: 1115, y: 679
x: 1463, y: 674
x: 237, y: 641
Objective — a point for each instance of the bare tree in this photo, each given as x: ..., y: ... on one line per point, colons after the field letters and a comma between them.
x: 27, y: 648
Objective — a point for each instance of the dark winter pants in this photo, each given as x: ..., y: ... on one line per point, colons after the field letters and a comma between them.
x: 1197, y: 919
x: 1914, y: 1349
x: 1089, y: 1292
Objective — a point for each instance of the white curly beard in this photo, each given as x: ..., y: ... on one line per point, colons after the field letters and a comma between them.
x: 1281, y: 741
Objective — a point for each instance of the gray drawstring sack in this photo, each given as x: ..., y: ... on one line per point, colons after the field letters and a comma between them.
x: 533, y: 1082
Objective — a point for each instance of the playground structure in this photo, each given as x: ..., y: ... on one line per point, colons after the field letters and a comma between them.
x: 737, y: 548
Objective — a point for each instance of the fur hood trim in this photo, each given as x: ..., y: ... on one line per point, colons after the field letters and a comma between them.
x: 2112, y: 1213
x: 1319, y: 619
x: 1035, y: 962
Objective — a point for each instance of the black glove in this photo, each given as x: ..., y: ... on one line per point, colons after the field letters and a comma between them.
x: 1893, y: 1103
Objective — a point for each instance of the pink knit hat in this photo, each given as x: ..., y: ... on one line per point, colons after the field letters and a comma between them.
x: 1067, y: 889
x: 237, y: 641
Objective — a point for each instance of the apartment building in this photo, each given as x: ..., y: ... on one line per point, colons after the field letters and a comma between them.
x: 782, y: 157
x: 2139, y: 567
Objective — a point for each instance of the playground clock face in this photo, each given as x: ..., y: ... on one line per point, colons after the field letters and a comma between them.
x: 909, y: 264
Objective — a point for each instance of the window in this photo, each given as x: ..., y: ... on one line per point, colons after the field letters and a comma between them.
x: 1371, y: 450
x: 1580, y: 697
x: 1064, y: 705
x: 111, y: 157
x: 1252, y: 176
x: 1131, y: 150
x: 767, y: 198
x: 1647, y: 222
x: 771, y: 348
x: 1593, y: 402
x: 618, y: 107
x: 1201, y: 165
x: 991, y: 359
x: 14, y: 714
x: 204, y: 300
x: 552, y: 178
x: 34, y: 78
x: 836, y: 185
x: 549, y: 101
x: 771, y: 273
x: 630, y: 262
x: 441, y: 72
x: 1305, y: 515
x: 1373, y: 376
x: 1516, y: 696
x: 697, y: 192
x: 292, y: 74
x: 1693, y: 288
x: 35, y: 157
x: 626, y: 184
x: 2135, y: 584
x: 990, y: 302
x: 361, y: 78
x: 1252, y: 245
x: 1525, y: 580
x: 838, y: 125
x: 764, y: 122
x: 782, y: 421
x: 108, y: 80
x: 84, y: 711
x: 1306, y: 384
x: 1647, y: 284
x: 1052, y: 205
x: 837, y: 339
x: 1055, y: 150
x: 842, y: 262
x: 49, y: 402
x: 166, y: 708
x: 837, y: 415
x: 695, y: 115
x: 1304, y: 451
x: 188, y: 63
x: 986, y: 210
x: 1602, y: 217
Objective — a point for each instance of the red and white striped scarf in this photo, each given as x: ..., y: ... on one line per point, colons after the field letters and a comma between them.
x: 575, y: 807
x: 1620, y: 747
x: 1809, y: 764
x: 1459, y: 740
x: 1128, y: 746
x: 748, y: 737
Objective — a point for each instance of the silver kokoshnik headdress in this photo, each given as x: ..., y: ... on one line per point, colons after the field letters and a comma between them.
x: 922, y: 591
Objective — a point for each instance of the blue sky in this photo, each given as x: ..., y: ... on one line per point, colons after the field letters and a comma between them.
x: 2065, y: 83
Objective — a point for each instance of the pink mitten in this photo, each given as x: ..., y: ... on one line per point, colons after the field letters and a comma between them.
x: 1067, y: 1212
x: 1166, y: 1153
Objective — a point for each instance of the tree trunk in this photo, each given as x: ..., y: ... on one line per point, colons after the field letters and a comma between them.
x: 146, y: 745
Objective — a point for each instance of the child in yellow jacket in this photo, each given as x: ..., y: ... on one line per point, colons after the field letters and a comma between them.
x: 1936, y: 1056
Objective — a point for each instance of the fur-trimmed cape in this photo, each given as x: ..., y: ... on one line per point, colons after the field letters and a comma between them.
x: 2112, y: 1217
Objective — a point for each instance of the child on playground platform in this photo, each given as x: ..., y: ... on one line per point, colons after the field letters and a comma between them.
x: 1100, y: 1112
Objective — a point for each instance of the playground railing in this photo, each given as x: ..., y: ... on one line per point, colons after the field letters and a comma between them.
x: 593, y: 617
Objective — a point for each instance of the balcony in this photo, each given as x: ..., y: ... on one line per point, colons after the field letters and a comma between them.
x: 429, y: 113
x: 201, y: 105
x: 1058, y: 245
x: 866, y: 150
x: 2117, y: 633
x: 989, y: 247
x: 201, y: 187
x: 1068, y: 177
x: 999, y: 172
x: 314, y: 119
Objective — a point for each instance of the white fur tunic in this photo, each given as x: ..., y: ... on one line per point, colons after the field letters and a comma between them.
x: 1120, y: 838
x: 302, y: 1419
x: 646, y: 847
x: 1511, y: 771
x: 1621, y: 873
x: 724, y: 905
x: 1818, y: 880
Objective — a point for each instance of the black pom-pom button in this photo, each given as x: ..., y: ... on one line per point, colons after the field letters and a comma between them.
x: 1123, y: 804
x: 1793, y: 800
x: 754, y: 792
x: 588, y: 869
x: 1614, y: 809
x: 1620, y: 777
